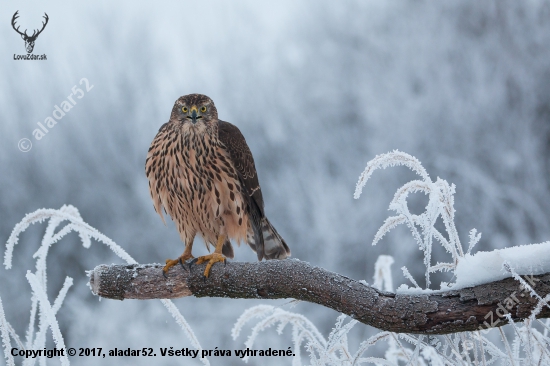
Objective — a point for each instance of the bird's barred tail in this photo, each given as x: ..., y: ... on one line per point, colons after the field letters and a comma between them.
x: 271, y: 245
x: 274, y: 246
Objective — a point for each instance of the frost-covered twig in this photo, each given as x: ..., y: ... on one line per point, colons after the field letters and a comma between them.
x: 173, y: 310
x: 4, y: 332
x: 49, y: 315
x: 382, y: 273
x: 408, y: 276
x: 440, y: 204
x: 332, y: 351
x: 302, y: 328
x: 525, y: 285
x: 65, y: 213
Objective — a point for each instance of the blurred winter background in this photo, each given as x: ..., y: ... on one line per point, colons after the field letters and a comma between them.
x: 318, y: 88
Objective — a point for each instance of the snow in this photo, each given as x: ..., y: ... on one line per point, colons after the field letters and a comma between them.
x: 406, y: 290
x: 484, y: 267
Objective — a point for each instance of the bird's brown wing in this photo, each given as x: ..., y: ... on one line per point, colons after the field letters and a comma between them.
x: 242, y: 158
x: 233, y: 140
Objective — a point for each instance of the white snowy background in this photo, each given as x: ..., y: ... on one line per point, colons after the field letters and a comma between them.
x: 318, y: 88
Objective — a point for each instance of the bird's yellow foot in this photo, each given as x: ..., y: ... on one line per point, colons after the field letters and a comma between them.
x: 211, y: 259
x: 172, y: 262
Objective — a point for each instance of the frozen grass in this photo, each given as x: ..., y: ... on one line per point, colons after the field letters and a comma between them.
x: 440, y: 204
x: 530, y: 344
x: 43, y: 313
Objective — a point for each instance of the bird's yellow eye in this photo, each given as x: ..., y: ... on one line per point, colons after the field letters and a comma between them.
x: 184, y: 109
x: 203, y: 109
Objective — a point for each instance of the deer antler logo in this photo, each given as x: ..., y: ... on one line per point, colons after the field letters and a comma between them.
x: 29, y: 40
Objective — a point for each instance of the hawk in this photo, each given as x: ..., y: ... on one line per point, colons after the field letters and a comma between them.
x: 201, y: 172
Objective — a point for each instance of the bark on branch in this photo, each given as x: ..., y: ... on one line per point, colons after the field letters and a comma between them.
x: 446, y: 312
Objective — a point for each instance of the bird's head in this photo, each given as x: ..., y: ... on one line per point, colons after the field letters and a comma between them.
x: 194, y: 111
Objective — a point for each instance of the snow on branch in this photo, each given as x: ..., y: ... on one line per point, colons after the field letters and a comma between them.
x: 432, y: 312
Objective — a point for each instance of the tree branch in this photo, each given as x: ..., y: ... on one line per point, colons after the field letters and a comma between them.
x: 441, y: 313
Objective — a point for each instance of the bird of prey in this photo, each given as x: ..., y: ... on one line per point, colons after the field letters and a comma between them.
x: 201, y: 172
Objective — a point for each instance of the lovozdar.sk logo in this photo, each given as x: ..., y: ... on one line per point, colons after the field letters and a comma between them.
x: 29, y: 40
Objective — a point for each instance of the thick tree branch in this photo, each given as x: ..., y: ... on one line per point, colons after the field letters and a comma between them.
x: 446, y: 312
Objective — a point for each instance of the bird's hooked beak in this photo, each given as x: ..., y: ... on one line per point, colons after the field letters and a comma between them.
x: 193, y: 114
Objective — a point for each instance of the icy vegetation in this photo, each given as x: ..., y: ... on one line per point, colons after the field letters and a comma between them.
x: 440, y: 204
x: 468, y: 270
x: 317, y: 88
x: 531, y: 341
x: 43, y: 313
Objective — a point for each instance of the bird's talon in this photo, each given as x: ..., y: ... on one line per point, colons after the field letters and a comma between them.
x: 169, y: 264
x: 210, y: 259
x: 172, y: 262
